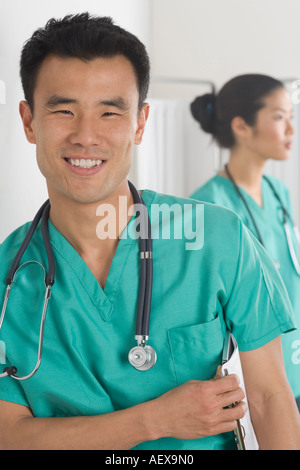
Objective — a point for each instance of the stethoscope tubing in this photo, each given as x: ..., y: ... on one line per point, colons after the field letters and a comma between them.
x: 245, y: 204
x: 146, y: 273
x: 25, y: 244
x: 43, y: 215
x: 11, y: 371
x: 49, y: 281
x: 286, y: 218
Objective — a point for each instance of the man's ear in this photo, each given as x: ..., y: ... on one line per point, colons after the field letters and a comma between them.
x: 141, y: 123
x: 27, y: 119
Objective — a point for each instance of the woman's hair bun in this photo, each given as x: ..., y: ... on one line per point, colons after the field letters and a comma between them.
x: 203, y: 111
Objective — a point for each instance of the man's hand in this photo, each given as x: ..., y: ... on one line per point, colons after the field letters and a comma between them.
x: 198, y: 409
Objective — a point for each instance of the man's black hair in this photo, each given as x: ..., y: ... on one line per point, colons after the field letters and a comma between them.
x: 84, y: 37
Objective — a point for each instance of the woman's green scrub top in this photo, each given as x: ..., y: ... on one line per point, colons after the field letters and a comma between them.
x: 197, y: 294
x: 269, y: 220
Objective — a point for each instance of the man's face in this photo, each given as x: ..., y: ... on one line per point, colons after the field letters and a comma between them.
x: 85, y: 124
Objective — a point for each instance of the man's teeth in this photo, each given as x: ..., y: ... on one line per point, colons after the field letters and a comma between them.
x: 84, y: 163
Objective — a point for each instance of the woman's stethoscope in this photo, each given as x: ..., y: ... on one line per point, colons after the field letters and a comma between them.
x: 142, y: 356
x: 286, y: 219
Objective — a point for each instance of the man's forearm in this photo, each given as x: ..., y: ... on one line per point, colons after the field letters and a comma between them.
x: 119, y: 430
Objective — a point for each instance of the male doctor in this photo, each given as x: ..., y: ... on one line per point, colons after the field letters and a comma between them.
x: 85, y: 82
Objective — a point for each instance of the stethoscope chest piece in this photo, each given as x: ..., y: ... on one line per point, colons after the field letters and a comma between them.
x: 142, y: 357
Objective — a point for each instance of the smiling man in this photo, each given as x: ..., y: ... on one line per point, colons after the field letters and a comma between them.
x: 84, y: 140
x: 89, y: 129
x: 85, y: 82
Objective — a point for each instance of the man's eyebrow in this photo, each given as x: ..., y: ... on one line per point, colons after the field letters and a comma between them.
x: 116, y: 103
x: 56, y: 100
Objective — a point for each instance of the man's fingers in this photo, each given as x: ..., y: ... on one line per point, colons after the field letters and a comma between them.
x: 228, y: 390
x: 226, y: 384
x: 237, y: 412
x: 229, y: 398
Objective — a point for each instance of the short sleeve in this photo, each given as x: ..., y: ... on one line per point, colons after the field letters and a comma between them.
x: 258, y: 308
x: 12, y: 391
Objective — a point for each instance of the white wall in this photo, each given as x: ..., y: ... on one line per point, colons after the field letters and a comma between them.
x: 219, y: 39
x: 22, y: 188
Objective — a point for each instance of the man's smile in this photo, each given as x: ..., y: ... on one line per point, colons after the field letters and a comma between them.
x: 84, y: 162
x: 84, y: 166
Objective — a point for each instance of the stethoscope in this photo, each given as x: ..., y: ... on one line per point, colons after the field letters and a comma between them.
x: 286, y: 219
x: 142, y: 357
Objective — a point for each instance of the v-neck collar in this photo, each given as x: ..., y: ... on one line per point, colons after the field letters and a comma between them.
x: 103, y: 299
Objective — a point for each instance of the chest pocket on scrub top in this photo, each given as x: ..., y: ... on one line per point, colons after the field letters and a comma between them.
x: 196, y: 350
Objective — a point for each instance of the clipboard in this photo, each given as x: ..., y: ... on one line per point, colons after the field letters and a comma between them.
x: 231, y: 364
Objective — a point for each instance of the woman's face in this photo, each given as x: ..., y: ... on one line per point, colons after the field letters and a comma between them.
x: 271, y: 136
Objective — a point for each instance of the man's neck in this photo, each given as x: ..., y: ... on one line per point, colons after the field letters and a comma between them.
x: 79, y: 224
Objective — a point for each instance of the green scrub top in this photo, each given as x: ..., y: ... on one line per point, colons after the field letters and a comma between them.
x: 269, y: 220
x: 197, y: 294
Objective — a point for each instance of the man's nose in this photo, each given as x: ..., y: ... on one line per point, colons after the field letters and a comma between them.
x: 86, y: 131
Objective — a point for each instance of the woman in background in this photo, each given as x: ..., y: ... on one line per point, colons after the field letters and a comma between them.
x: 251, y: 116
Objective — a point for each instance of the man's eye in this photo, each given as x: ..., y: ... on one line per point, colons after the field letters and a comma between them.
x: 108, y: 114
x: 64, y: 111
